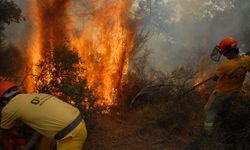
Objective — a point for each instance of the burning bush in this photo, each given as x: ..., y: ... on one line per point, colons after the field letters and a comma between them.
x: 136, y: 77
x: 61, y: 73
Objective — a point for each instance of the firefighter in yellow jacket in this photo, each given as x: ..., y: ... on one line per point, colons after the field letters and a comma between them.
x: 46, y: 114
x: 230, y: 76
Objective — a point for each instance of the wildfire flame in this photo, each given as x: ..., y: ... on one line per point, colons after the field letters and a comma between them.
x: 205, y: 71
x: 49, y: 27
x: 104, y: 41
x: 105, y: 44
x: 201, y: 77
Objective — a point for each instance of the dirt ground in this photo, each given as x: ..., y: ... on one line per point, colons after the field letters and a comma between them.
x: 123, y: 133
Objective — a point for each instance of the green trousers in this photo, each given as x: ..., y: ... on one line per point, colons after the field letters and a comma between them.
x: 217, y: 104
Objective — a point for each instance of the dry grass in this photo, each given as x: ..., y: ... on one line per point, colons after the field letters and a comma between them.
x: 161, y: 104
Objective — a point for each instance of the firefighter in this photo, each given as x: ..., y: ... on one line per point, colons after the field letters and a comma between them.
x: 46, y: 114
x: 230, y: 76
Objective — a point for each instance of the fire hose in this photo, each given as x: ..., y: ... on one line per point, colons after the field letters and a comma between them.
x: 197, y: 85
x: 154, y: 88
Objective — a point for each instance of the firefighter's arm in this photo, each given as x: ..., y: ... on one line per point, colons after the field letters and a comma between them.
x: 219, y: 72
x: 8, y: 118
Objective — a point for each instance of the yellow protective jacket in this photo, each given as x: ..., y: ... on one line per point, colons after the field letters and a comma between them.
x: 44, y: 113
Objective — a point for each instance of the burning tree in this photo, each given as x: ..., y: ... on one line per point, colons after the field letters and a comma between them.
x: 62, y: 74
x: 103, y: 37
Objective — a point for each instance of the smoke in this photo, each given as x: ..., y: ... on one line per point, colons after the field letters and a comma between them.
x: 181, y: 29
x: 184, y: 30
x: 201, y: 9
x: 11, y: 54
x: 53, y: 22
x: 15, y: 31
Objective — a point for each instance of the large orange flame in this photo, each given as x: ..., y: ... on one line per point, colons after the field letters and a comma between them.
x: 104, y: 42
x: 34, y: 44
x: 48, y: 30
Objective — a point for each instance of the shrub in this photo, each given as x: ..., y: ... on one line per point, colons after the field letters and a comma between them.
x: 62, y: 74
x: 167, y: 106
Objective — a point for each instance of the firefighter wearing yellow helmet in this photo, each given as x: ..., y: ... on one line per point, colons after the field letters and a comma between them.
x: 46, y: 114
x: 230, y: 76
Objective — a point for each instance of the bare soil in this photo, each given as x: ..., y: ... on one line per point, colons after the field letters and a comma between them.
x: 125, y: 133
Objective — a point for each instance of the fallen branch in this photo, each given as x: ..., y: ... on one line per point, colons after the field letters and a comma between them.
x: 148, y: 89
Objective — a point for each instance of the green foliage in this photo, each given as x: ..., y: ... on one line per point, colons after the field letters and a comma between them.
x: 9, y: 12
x: 63, y: 75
